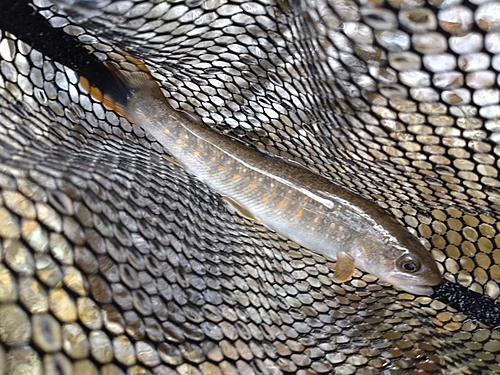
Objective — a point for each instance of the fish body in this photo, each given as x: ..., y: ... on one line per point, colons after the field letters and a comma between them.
x: 287, y: 198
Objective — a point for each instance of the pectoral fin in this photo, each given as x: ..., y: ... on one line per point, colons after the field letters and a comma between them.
x: 344, y: 268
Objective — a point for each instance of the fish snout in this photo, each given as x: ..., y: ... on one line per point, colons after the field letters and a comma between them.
x: 431, y: 273
x: 433, y: 277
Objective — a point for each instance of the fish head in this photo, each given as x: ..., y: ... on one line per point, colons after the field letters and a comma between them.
x: 401, y: 261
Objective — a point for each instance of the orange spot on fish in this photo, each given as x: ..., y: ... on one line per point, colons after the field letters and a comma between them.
x: 264, y: 199
x: 212, y: 159
x: 220, y: 167
x: 167, y: 131
x: 253, y: 186
x: 179, y: 141
x: 292, y: 203
x: 196, y: 153
x: 236, y: 176
x: 332, y: 225
x: 316, y: 220
x: 282, y: 204
x: 299, y: 212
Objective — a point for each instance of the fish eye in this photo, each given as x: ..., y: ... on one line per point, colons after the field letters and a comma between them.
x: 408, y: 263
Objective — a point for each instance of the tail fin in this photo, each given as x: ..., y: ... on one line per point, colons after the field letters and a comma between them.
x: 126, y: 79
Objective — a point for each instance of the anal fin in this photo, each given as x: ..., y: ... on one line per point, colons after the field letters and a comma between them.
x: 235, y: 207
x: 344, y: 268
x: 172, y: 160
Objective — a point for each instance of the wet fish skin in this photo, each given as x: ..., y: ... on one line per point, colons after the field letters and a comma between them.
x: 293, y: 201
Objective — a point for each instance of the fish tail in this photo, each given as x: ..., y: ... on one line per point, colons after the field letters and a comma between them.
x: 124, y: 81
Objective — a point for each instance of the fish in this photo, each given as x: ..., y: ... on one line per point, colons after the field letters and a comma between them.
x: 301, y: 205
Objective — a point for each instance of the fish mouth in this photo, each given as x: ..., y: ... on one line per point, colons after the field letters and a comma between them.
x: 423, y: 290
x: 413, y: 284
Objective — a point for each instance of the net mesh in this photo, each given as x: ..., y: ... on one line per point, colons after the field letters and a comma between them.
x: 113, y: 260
